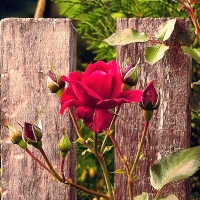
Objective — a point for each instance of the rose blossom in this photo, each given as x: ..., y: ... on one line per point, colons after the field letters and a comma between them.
x: 94, y: 92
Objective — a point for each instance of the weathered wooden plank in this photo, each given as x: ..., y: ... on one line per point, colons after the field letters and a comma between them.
x: 170, y: 127
x: 27, y: 47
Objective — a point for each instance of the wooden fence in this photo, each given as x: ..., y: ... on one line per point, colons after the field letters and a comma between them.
x: 27, y: 47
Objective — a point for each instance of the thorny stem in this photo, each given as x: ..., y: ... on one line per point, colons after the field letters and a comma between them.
x: 39, y: 162
x: 103, y: 166
x: 146, y: 124
x: 78, y: 130
x: 111, y: 126
x: 190, y: 11
x: 106, y: 175
x: 124, y: 160
x: 50, y: 166
x: 95, y: 144
x: 75, y: 122
x: 99, y: 194
x: 40, y: 9
x: 62, y: 169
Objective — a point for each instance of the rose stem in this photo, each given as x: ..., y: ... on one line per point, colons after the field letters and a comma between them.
x: 106, y: 174
x: 157, y: 195
x: 38, y: 161
x: 78, y: 130
x: 146, y: 124
x: 50, y: 166
x: 103, y: 166
x: 119, y: 152
x: 62, y: 168
x: 107, y: 135
x: 99, y: 194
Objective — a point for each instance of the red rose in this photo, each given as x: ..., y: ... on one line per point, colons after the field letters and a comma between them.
x: 94, y: 92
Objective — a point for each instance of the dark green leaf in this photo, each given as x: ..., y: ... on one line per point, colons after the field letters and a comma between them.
x: 186, y: 38
x: 195, y: 102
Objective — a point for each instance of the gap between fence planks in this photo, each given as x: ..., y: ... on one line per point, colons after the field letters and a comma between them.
x: 170, y: 127
x: 27, y: 47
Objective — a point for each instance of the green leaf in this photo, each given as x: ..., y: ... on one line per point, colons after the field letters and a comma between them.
x: 170, y: 197
x: 143, y: 196
x: 195, y: 102
x: 186, y: 38
x: 107, y: 148
x: 85, y: 151
x: 119, y: 171
x: 176, y: 166
x: 194, y: 53
x: 165, y: 30
x: 154, y: 53
x: 126, y: 36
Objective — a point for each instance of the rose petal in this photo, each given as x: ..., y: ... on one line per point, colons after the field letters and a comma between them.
x: 101, y: 120
x: 127, y: 96
x: 84, y: 94
x: 95, y: 119
x: 68, y: 98
x: 103, y: 78
x: 98, y: 81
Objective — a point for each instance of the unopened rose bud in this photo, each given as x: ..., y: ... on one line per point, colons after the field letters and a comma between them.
x: 150, y: 101
x: 64, y: 145
x: 130, y: 76
x: 16, y: 137
x: 32, y: 135
x: 55, y: 83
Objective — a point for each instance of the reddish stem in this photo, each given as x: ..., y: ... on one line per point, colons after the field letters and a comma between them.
x: 119, y: 152
x: 62, y: 169
x: 39, y: 162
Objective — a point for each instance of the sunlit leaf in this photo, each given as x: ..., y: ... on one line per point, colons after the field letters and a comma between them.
x: 154, y: 53
x: 165, y: 30
x: 176, y: 166
x: 119, y: 171
x: 170, y: 197
x: 195, y: 102
x: 126, y: 36
x: 107, y: 148
x: 143, y: 196
x: 194, y: 53
x: 85, y: 151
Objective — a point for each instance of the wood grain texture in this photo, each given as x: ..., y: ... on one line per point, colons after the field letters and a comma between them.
x: 27, y: 47
x: 170, y: 127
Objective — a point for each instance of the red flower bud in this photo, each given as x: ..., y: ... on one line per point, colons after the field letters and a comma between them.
x: 32, y: 135
x: 150, y: 98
